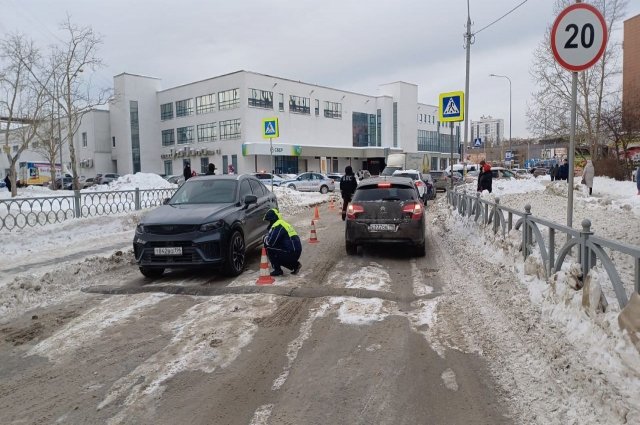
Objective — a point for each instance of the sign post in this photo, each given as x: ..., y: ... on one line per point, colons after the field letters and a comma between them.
x: 451, y: 109
x: 578, y: 40
x: 270, y: 129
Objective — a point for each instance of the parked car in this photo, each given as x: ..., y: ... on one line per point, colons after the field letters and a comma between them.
x: 502, y: 173
x: 442, y: 181
x: 431, y: 188
x: 87, y: 183
x: 310, y: 182
x: 540, y: 172
x: 67, y: 183
x: 106, y: 178
x: 335, y: 177
x: 210, y: 221
x: 177, y: 179
x: 2, y: 184
x: 385, y: 210
x: 267, y: 177
x: 416, y: 176
x: 521, y: 172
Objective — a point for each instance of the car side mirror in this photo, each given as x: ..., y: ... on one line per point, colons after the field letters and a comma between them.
x: 250, y: 199
x: 166, y: 201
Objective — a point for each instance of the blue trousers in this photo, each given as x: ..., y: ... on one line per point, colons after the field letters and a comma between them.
x: 279, y: 258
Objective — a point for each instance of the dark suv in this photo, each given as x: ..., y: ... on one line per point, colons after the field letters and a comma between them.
x: 386, y: 210
x: 210, y: 221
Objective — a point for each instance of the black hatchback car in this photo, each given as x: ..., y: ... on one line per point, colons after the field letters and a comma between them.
x: 386, y: 210
x: 210, y: 221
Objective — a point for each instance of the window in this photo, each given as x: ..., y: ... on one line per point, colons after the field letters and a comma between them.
x: 258, y: 188
x: 184, y: 108
x: 260, y: 98
x: 113, y: 141
x: 234, y: 163
x: 379, y: 125
x: 230, y: 129
x: 281, y: 102
x: 245, y: 189
x: 204, y: 165
x: 317, y: 107
x: 486, y: 129
x: 15, y: 148
x: 168, y: 168
x: 168, y: 137
x: 364, y: 129
x: 285, y: 164
x: 135, y: 136
x: 84, y: 140
x: 299, y: 105
x: 206, y: 103
x: 207, y: 132
x: 166, y: 111
x: 332, y: 110
x: 185, y: 135
x: 395, y: 124
x: 229, y: 99
x: 225, y: 164
x: 419, y: 117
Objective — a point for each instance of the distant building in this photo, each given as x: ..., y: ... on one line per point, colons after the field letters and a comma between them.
x: 487, y: 132
x: 631, y: 64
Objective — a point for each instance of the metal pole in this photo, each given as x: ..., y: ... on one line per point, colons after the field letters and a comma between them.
x: 510, y: 150
x: 466, y: 86
x: 59, y: 139
x: 572, y: 146
x: 451, y: 165
x: 271, y: 153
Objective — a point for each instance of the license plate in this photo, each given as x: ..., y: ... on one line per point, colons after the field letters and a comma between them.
x: 168, y: 251
x: 382, y: 227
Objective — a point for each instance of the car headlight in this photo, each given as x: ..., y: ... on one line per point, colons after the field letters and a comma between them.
x: 207, y: 227
x: 140, y: 228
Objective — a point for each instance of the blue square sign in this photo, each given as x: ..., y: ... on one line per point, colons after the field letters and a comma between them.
x: 270, y: 128
x: 451, y: 106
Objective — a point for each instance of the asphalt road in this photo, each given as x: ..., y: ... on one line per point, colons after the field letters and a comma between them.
x: 350, y: 340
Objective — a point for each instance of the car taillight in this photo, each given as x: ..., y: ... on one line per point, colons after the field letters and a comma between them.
x: 413, y: 210
x: 353, y: 210
x: 385, y: 185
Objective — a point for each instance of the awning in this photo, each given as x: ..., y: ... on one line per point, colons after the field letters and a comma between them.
x: 281, y: 149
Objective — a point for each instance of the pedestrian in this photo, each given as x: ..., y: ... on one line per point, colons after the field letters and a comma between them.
x: 485, y: 177
x: 282, y: 244
x: 193, y: 173
x: 348, y: 184
x: 554, y: 172
x: 7, y: 180
x: 563, y: 171
x: 587, y: 176
x: 211, y: 171
x: 638, y: 179
x: 187, y: 171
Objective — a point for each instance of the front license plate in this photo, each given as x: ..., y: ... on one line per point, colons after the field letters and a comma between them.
x: 168, y: 251
x: 382, y: 228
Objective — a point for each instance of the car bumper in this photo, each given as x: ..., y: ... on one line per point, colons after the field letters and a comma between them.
x: 197, y: 250
x: 411, y: 232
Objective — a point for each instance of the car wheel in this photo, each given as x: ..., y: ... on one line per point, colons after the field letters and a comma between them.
x: 292, y: 186
x: 152, y: 273
x: 234, y: 263
x: 324, y: 189
x: 421, y: 250
x: 352, y: 249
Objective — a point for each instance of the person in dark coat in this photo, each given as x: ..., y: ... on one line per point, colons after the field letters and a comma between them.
x: 282, y: 244
x: 563, y: 171
x: 485, y: 178
x: 638, y: 179
x: 7, y: 180
x: 187, y: 172
x: 348, y: 184
x: 554, y: 172
x: 211, y: 171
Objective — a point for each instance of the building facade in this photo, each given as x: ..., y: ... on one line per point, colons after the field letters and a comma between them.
x: 631, y: 65
x: 487, y: 131
x: 219, y: 121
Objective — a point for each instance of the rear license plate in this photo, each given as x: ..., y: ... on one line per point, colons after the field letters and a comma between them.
x: 168, y: 251
x: 382, y: 228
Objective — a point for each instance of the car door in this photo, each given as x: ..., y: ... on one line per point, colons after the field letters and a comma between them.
x: 251, y: 213
x: 304, y: 182
x: 264, y: 204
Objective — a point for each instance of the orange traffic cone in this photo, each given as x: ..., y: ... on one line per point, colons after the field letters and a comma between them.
x: 313, y: 238
x: 265, y: 278
x: 316, y: 214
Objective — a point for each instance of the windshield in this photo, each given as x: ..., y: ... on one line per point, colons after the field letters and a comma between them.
x: 205, y: 192
x: 412, y: 176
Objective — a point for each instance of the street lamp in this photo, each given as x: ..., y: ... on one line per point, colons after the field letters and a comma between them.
x: 504, y: 76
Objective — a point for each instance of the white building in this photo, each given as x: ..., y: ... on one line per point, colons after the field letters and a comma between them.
x: 219, y: 121
x: 488, y: 131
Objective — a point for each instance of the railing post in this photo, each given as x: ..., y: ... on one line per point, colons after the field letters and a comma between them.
x: 552, y: 250
x: 637, y: 264
x: 526, y: 234
x: 76, y: 203
x: 509, y: 221
x: 585, y: 258
x: 496, y: 216
x: 137, y: 199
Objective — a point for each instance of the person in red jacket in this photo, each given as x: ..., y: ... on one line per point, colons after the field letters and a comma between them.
x: 485, y: 178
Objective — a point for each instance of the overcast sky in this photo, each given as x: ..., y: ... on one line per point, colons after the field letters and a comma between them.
x: 346, y: 44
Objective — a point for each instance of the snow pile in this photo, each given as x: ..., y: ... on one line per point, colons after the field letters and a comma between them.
x: 137, y: 180
x: 292, y: 201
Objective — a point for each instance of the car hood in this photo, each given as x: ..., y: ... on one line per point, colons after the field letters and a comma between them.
x: 186, y: 214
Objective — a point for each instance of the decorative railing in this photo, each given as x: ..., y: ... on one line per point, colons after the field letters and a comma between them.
x: 590, y: 249
x: 18, y: 213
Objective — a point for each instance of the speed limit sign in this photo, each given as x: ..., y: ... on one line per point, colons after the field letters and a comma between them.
x: 578, y: 37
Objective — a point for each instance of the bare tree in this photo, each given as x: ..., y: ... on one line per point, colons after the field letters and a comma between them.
x: 550, y: 105
x: 21, y: 98
x: 622, y: 129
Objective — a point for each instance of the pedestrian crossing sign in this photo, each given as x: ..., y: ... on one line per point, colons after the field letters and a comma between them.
x: 451, y: 106
x: 270, y: 128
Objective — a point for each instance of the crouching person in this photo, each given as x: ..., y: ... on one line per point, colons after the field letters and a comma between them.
x: 282, y: 244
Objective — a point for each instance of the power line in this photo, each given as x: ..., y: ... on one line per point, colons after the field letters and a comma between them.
x: 500, y: 18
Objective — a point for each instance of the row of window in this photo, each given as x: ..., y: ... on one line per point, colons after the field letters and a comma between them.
x: 426, y: 118
x: 230, y: 99
x: 229, y: 129
x: 432, y: 141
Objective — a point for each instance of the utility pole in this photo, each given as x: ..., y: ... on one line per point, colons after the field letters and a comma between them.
x: 467, y: 45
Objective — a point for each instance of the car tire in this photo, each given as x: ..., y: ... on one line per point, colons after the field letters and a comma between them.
x: 152, y: 273
x: 352, y: 249
x: 420, y: 250
x: 236, y: 252
x: 324, y: 189
x: 292, y: 186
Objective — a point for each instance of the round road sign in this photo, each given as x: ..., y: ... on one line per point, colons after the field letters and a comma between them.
x: 578, y: 37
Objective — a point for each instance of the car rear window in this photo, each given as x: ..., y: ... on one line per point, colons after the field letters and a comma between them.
x: 396, y: 192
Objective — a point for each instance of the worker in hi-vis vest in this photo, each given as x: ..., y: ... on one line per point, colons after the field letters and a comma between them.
x: 282, y: 244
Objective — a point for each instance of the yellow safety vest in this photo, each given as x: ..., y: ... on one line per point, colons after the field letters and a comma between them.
x: 289, y: 228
